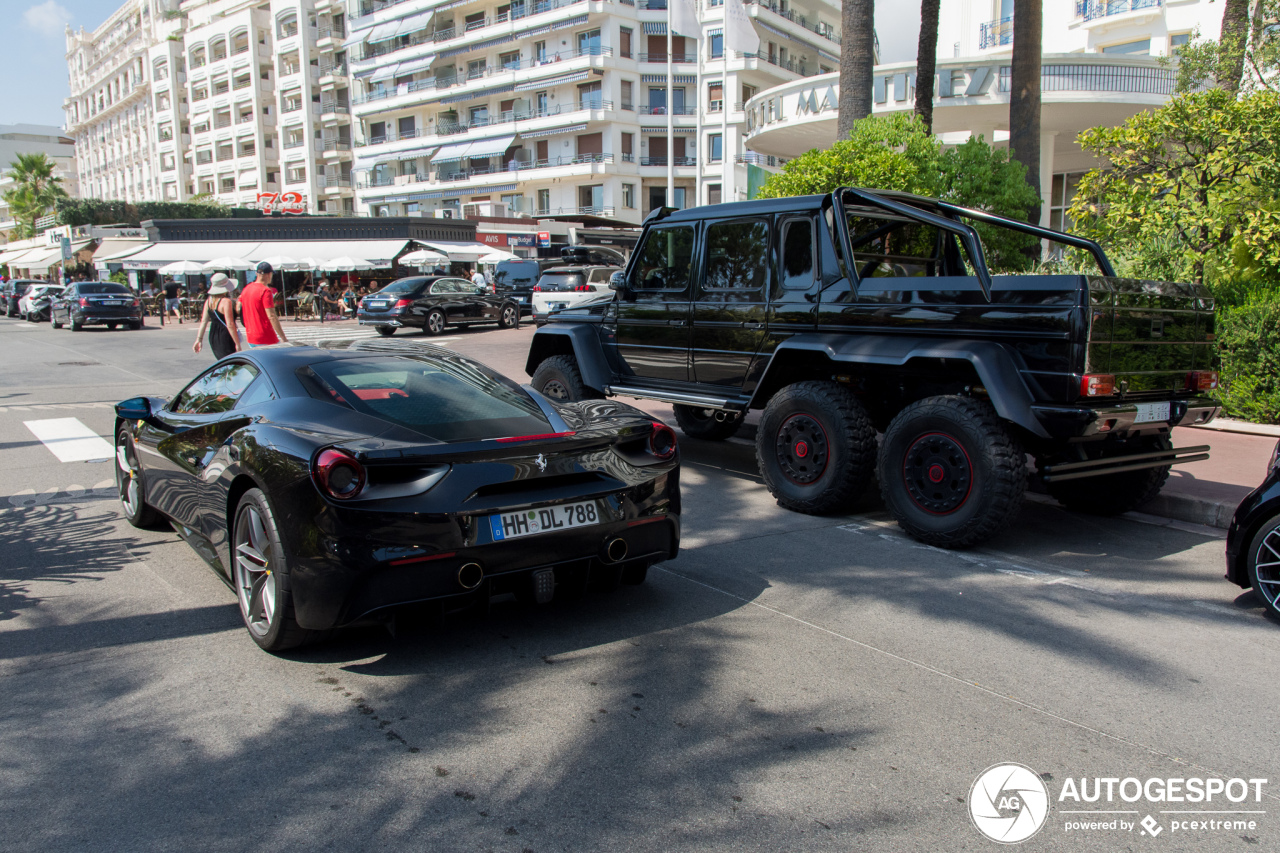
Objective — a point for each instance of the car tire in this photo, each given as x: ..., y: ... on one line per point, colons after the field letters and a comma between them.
x: 54, y: 322
x: 131, y: 488
x: 703, y: 423
x: 950, y: 473
x: 510, y: 316
x: 815, y: 447
x: 76, y: 325
x: 559, y: 379
x: 386, y: 331
x: 433, y: 324
x: 1113, y: 494
x: 260, y: 576
x: 1263, y: 563
x: 135, y: 325
x: 111, y: 327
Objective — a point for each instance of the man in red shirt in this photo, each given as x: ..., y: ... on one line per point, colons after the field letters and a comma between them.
x: 258, y: 308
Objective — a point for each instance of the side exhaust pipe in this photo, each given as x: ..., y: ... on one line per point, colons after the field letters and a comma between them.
x: 470, y: 575
x: 616, y: 550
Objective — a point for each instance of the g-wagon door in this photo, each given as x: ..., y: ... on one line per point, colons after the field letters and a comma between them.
x: 730, y: 311
x: 653, y: 318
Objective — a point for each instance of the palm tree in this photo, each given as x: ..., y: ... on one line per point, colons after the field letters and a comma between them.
x: 857, y: 62
x: 35, y: 192
x: 1024, y: 99
x: 1235, y: 32
x: 926, y: 61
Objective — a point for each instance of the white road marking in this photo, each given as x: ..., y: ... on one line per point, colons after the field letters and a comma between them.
x: 70, y: 440
x: 33, y: 407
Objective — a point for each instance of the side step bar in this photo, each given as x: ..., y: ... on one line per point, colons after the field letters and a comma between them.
x: 681, y: 397
x: 1117, y: 464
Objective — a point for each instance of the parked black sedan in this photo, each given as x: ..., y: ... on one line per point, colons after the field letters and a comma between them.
x: 1253, y: 539
x: 433, y: 302
x: 327, y: 485
x: 96, y: 303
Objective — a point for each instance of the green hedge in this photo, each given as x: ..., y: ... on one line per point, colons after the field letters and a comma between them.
x: 97, y: 211
x: 1249, y: 349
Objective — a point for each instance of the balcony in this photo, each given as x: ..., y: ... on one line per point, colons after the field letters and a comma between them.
x: 330, y: 107
x: 662, y: 57
x: 441, y: 175
x: 329, y: 32
x: 653, y: 110
x: 438, y: 36
x: 1092, y: 10
x: 294, y: 143
x: 828, y: 31
x: 336, y: 145
x: 791, y: 65
x: 221, y: 122
x: 995, y: 33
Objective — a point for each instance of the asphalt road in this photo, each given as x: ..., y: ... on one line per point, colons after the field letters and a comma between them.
x: 789, y: 683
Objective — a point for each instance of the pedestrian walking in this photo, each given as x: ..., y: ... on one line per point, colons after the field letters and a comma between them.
x: 171, y: 304
x: 219, y: 317
x: 258, y: 310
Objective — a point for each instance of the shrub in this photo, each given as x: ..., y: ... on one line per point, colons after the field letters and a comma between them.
x: 1249, y: 349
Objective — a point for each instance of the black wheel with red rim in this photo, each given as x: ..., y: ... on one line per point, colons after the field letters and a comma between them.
x: 815, y: 447
x: 950, y: 472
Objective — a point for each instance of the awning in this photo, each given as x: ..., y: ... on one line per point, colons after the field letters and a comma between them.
x: 458, y: 251
x: 37, y: 259
x: 456, y: 151
x: 551, y: 131
x: 382, y: 32
x: 120, y: 248
x: 157, y: 255
x: 655, y: 29
x: 482, y: 94
x: 662, y: 78
x: 480, y: 45
x: 501, y: 188
x: 553, y: 81
x: 660, y: 129
x: 490, y: 147
x: 377, y: 252
x: 412, y: 66
x: 383, y: 72
x: 354, y: 39
x: 11, y: 254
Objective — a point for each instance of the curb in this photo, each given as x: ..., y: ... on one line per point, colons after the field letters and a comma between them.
x: 1242, y: 427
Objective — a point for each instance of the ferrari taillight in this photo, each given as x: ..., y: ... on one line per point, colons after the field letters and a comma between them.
x: 662, y: 441
x: 338, y: 474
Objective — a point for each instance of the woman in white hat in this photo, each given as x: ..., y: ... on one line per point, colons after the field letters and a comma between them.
x: 220, y: 319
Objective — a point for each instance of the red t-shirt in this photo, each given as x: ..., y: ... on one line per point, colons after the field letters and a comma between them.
x: 255, y: 299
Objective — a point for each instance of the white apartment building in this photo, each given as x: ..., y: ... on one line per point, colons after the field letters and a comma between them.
x: 109, y: 113
x: 1102, y: 63
x: 220, y: 98
x: 18, y: 139
x: 560, y: 107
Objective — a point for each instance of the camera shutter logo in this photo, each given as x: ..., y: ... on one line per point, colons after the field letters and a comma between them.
x: 1008, y: 803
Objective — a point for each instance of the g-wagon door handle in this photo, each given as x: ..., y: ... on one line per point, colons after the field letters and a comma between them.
x: 753, y: 325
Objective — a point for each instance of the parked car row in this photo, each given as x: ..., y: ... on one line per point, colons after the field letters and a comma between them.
x: 83, y: 303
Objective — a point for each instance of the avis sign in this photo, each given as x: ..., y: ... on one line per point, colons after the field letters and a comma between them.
x: 290, y: 202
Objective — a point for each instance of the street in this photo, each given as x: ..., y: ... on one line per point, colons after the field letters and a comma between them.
x: 790, y: 682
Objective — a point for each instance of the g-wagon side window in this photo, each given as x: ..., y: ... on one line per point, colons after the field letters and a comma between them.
x: 737, y: 255
x: 798, y: 268
x: 666, y: 259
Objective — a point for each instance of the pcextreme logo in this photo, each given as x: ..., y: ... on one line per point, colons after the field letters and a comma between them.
x: 1010, y: 803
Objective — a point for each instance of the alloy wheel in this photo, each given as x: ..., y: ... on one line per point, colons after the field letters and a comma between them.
x: 254, y: 575
x: 1267, y: 568
x: 127, y: 479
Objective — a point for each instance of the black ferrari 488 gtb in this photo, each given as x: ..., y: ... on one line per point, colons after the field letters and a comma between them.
x: 328, y: 484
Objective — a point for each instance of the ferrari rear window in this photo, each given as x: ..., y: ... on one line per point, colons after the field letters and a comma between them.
x: 444, y: 400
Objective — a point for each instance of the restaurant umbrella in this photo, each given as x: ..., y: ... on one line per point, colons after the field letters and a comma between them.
x: 228, y: 263
x: 497, y: 256
x: 347, y: 264
x: 181, y: 268
x: 423, y: 257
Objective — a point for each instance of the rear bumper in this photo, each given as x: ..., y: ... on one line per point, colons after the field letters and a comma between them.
x: 396, y: 322
x: 97, y: 317
x: 1081, y: 421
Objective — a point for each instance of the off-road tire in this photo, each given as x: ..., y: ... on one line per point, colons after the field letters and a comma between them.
x: 386, y: 331
x: 1113, y: 494
x: 559, y: 379
x: 950, y: 473
x: 283, y: 631
x: 815, y: 447
x: 702, y: 423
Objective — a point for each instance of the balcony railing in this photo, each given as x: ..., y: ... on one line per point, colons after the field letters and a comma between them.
x: 662, y: 57
x: 444, y: 175
x: 244, y: 119
x: 291, y: 106
x: 400, y: 42
x: 294, y: 143
x: 1091, y: 10
x: 222, y: 121
x: 337, y: 145
x: 995, y: 33
x: 288, y: 31
x: 790, y: 65
x: 331, y: 33
x: 334, y: 107
x: 655, y: 110
x: 333, y: 68
x: 225, y: 154
x: 326, y: 181
x: 662, y: 161
x: 760, y: 159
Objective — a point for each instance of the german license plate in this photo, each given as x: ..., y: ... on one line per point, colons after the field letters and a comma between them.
x: 378, y: 305
x: 112, y: 302
x: 1149, y: 413
x: 530, y: 522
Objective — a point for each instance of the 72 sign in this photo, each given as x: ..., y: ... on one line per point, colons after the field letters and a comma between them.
x: 290, y: 202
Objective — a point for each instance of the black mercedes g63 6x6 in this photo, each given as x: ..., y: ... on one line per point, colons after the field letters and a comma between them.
x: 864, y: 312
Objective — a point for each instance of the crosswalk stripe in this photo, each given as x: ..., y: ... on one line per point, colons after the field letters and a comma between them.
x: 70, y: 440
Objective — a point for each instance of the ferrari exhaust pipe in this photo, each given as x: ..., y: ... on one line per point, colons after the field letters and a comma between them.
x: 616, y: 550
x: 470, y: 575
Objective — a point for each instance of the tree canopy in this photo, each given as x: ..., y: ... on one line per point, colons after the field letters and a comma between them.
x: 894, y: 153
x: 35, y: 191
x: 96, y: 211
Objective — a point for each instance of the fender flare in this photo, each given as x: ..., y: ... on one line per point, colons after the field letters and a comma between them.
x: 995, y: 365
x: 583, y: 341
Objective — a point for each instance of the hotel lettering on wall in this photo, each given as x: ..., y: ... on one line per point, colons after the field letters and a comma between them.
x: 965, y: 82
